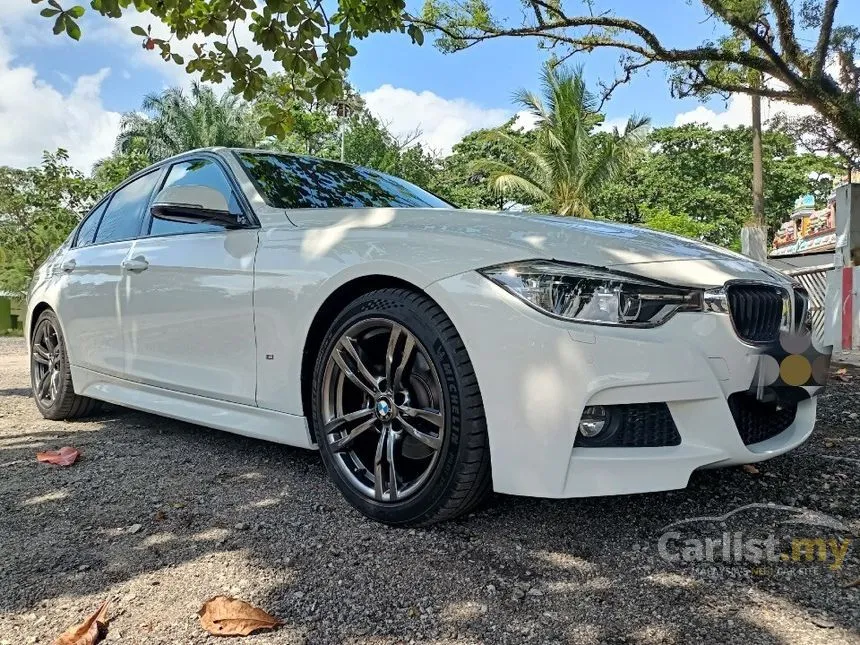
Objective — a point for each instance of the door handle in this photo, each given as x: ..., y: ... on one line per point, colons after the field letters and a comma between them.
x: 136, y: 265
x: 68, y: 266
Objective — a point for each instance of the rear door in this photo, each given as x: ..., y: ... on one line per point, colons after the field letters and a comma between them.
x: 189, y: 321
x: 92, y: 294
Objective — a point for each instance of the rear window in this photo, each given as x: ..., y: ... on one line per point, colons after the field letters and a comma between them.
x: 287, y: 181
x: 87, y: 230
x: 124, y: 214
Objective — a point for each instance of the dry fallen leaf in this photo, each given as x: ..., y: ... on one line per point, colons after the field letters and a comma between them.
x: 89, y: 632
x: 225, y: 616
x: 752, y: 470
x: 842, y: 375
x: 65, y: 456
x: 856, y: 583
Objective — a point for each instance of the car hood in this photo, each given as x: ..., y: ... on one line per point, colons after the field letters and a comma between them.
x: 513, y: 236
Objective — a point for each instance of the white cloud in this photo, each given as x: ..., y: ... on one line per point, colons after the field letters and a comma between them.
x: 610, y: 125
x: 37, y: 117
x: 525, y: 121
x: 738, y: 112
x: 443, y: 122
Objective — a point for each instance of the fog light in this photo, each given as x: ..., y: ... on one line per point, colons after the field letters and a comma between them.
x: 593, y: 421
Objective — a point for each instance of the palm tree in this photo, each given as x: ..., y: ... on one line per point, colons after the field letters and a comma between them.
x: 571, y: 161
x: 173, y: 122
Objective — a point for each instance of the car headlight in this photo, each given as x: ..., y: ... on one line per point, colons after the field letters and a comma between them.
x: 593, y: 295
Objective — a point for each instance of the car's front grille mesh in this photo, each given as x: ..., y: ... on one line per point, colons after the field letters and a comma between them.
x: 756, y: 311
x: 758, y: 421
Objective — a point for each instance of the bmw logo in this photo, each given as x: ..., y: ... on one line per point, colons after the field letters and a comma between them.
x: 383, y: 409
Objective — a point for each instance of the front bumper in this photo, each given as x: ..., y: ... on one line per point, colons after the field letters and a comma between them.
x: 536, y: 375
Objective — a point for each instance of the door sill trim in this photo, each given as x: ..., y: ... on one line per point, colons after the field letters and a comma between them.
x: 246, y: 420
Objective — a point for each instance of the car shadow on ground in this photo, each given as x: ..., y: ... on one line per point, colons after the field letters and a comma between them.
x: 16, y: 391
x: 166, y: 514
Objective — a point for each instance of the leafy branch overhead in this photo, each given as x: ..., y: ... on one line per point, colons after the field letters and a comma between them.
x: 799, y: 49
x: 64, y: 19
x: 302, y: 36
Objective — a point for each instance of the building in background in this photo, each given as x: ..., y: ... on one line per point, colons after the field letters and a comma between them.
x: 807, y: 230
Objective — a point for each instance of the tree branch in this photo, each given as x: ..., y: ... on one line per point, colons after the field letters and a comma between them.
x: 722, y: 66
x: 652, y: 48
x: 785, y: 26
x: 783, y: 71
x: 702, y: 81
x: 823, y: 45
x: 628, y: 69
x: 548, y: 7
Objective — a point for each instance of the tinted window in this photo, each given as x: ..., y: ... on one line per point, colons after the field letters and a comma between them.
x: 124, y: 214
x: 87, y: 231
x: 286, y: 181
x: 200, y: 172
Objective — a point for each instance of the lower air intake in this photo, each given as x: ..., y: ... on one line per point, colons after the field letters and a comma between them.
x: 758, y: 421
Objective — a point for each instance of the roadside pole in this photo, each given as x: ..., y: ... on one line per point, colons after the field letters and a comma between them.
x: 344, y: 110
x: 754, y: 232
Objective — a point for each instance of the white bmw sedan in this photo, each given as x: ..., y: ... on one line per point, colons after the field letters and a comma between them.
x: 430, y: 354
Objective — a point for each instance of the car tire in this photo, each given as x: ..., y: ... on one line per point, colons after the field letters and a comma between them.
x: 440, y: 425
x: 50, y: 373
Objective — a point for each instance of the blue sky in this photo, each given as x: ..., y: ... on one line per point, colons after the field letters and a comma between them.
x: 59, y: 92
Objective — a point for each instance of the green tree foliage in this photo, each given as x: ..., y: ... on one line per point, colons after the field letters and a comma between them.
x: 173, y: 122
x: 112, y: 170
x: 662, y: 219
x: 309, y: 39
x: 817, y: 136
x: 315, y: 127
x: 570, y: 162
x: 292, y: 123
x: 38, y: 208
x: 368, y: 142
x: 704, y: 175
x: 462, y: 181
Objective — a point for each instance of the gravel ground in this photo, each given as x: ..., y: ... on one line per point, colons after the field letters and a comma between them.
x: 160, y: 515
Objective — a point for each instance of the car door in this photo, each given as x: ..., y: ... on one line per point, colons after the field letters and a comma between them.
x: 92, y: 293
x: 189, y: 319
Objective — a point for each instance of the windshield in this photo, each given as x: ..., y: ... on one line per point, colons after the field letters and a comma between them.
x: 287, y: 181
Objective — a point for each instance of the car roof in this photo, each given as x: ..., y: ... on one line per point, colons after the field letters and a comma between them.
x: 223, y: 151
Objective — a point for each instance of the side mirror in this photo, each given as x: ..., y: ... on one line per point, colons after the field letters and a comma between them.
x: 194, y: 205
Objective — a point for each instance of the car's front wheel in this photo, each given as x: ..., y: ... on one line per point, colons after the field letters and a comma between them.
x: 397, y: 411
x: 51, y: 375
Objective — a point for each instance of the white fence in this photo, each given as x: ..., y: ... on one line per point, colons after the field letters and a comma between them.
x: 814, y: 280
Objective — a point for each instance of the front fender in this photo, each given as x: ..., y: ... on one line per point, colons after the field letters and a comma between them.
x: 297, y: 269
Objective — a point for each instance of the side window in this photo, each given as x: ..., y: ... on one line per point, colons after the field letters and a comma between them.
x: 124, y: 214
x: 87, y: 231
x: 199, y: 172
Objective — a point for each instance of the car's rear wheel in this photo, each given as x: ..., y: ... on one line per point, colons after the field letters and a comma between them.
x: 51, y: 375
x: 397, y: 411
